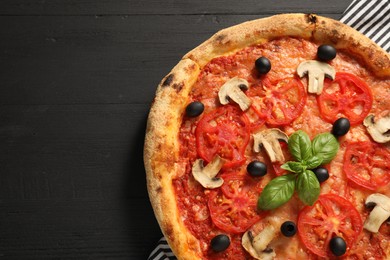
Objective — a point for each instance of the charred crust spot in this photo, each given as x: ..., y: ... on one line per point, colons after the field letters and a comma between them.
x: 190, y: 68
x: 169, y: 231
x: 159, y: 189
x: 220, y: 38
x: 311, y: 18
x: 158, y: 176
x: 178, y: 86
x: 168, y: 80
x: 334, y: 36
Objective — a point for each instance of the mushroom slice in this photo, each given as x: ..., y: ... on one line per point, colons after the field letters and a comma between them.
x: 378, y: 129
x: 316, y: 71
x: 205, y: 175
x: 233, y: 89
x: 257, y: 246
x: 380, y: 212
x: 269, y: 139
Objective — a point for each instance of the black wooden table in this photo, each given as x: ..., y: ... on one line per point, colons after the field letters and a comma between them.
x: 77, y: 79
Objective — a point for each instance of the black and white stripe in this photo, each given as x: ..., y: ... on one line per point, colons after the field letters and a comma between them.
x: 372, y: 18
x: 162, y: 251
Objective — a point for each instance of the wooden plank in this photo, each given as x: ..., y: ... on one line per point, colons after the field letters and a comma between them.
x: 136, y: 7
x: 84, y: 59
x: 72, y: 151
x: 77, y: 229
x: 73, y: 183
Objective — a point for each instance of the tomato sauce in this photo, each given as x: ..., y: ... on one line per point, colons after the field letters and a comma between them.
x: 285, y: 55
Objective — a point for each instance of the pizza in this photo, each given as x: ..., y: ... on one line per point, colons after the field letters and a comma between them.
x: 270, y: 140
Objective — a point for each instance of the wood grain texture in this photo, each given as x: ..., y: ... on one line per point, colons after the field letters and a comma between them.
x: 73, y: 184
x: 76, y: 229
x: 85, y: 60
x: 72, y: 151
x: 170, y: 7
x: 77, y: 79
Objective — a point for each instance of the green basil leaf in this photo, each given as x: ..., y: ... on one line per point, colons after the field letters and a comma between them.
x: 296, y: 167
x: 299, y: 145
x: 277, y: 192
x: 325, y: 146
x: 308, y: 187
x: 313, y: 162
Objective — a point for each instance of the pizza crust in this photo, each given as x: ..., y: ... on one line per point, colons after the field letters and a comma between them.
x: 167, y: 108
x: 249, y: 33
x: 344, y: 37
x: 161, y: 152
x: 161, y: 149
x: 307, y: 26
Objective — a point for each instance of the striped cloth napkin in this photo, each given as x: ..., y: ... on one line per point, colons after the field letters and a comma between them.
x: 370, y: 17
x: 162, y: 251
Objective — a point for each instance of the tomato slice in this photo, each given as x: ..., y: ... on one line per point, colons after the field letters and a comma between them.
x: 367, y: 164
x: 347, y: 96
x: 281, y: 101
x: 233, y: 208
x: 256, y: 121
x: 330, y: 216
x: 224, y: 131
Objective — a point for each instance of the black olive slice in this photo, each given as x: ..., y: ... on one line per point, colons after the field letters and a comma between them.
x: 220, y: 243
x: 257, y: 169
x: 194, y: 109
x: 263, y: 65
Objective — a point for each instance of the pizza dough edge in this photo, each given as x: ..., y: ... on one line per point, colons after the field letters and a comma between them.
x: 161, y: 156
